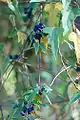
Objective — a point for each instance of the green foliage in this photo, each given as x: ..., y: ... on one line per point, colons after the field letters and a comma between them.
x: 68, y: 15
x: 14, y: 7
x: 12, y: 33
x: 75, y: 97
x: 1, y: 49
x: 36, y: 47
x: 52, y: 37
x: 42, y: 46
x: 54, y: 34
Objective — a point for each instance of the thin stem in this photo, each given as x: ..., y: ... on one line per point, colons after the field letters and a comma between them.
x: 39, y: 61
x: 39, y: 65
x: 59, y: 74
x: 65, y: 67
x: 48, y: 99
x: 2, y: 116
x: 4, y: 80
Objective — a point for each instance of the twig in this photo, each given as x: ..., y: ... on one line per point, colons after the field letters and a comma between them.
x: 2, y: 116
x: 48, y: 99
x: 70, y: 46
x: 65, y: 67
x: 39, y: 65
x: 39, y: 61
x: 4, y: 80
x: 59, y: 74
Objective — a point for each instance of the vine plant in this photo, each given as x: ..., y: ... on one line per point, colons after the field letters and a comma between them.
x: 40, y: 39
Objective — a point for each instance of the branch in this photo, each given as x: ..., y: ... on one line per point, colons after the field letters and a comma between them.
x: 59, y: 74
x: 66, y: 69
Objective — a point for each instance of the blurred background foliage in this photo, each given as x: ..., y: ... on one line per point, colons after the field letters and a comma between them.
x: 24, y: 73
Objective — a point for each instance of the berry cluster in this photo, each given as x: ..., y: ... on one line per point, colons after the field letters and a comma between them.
x: 13, y: 57
x: 27, y: 13
x: 38, y: 32
x: 77, y: 68
x: 41, y: 91
x: 77, y: 22
x: 27, y: 109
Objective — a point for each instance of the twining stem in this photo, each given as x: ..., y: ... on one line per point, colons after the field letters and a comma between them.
x: 65, y: 67
x: 59, y: 74
x: 39, y: 65
x: 48, y: 99
x: 39, y: 58
x: 2, y: 116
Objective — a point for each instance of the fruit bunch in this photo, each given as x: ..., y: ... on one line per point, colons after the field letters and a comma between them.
x: 27, y: 13
x: 38, y: 32
x: 40, y: 38
x: 27, y: 110
x: 13, y: 57
x: 41, y: 91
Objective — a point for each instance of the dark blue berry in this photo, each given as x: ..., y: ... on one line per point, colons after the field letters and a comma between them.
x: 29, y: 14
x: 10, y: 56
x: 41, y: 25
x: 37, y: 36
x: 26, y: 8
x: 25, y: 102
x: 33, y: 41
x: 32, y: 108
x: 8, y: 116
x: 77, y: 22
x: 42, y: 89
x: 28, y: 37
x: 15, y: 106
x: 29, y: 112
x: 36, y: 28
x: 25, y: 109
x: 77, y: 68
x: 40, y: 93
x: 16, y: 56
x: 22, y: 113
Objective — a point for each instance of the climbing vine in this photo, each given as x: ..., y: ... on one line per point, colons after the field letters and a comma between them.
x: 42, y: 30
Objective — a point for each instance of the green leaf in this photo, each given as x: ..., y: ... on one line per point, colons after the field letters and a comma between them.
x: 12, y: 20
x: 1, y: 49
x: 75, y: 97
x: 42, y: 46
x: 48, y: 30
x: 12, y: 33
x: 47, y: 88
x: 36, y: 47
x: 30, y: 98
x: 66, y: 3
x: 68, y: 15
x: 10, y: 5
x: 65, y: 19
x: 63, y: 76
x: 28, y: 92
x: 54, y: 34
